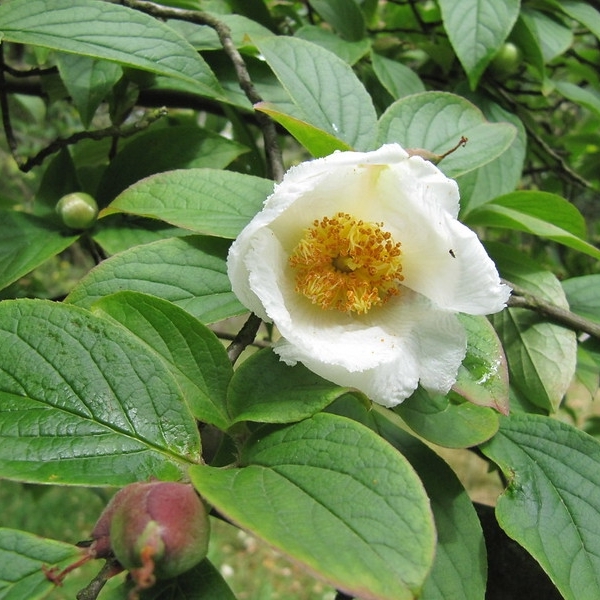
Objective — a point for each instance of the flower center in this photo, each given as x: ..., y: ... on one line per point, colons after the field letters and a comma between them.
x: 346, y: 264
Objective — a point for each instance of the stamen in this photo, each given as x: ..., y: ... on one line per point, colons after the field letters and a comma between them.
x: 346, y: 264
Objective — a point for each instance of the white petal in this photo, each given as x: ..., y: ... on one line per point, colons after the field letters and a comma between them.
x: 385, y: 361
x: 445, y: 261
x: 268, y: 277
x: 442, y: 348
x: 388, y: 384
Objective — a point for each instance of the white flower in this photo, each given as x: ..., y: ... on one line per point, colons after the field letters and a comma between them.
x: 361, y: 263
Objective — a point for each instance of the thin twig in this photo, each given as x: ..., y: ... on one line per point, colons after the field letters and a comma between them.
x: 34, y: 71
x: 224, y: 335
x: 6, y: 124
x: 98, y: 134
x: 543, y: 145
x: 94, y: 587
x: 244, y: 338
x: 521, y: 298
x: 199, y: 17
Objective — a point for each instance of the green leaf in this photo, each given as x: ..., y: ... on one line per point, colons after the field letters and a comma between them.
x: 204, y: 37
x: 88, y: 81
x: 436, y: 121
x: 190, y: 272
x: 120, y: 232
x: 336, y: 498
x: 26, y: 242
x: 22, y: 557
x: 503, y: 174
x: 553, y: 37
x: 323, y: 88
x: 84, y: 402
x: 583, y: 12
x: 349, y: 52
x: 588, y: 372
x: 194, y: 355
x: 525, y: 39
x: 447, y: 421
x: 398, y: 79
x: 459, y: 569
x: 552, y: 503
x: 110, y: 32
x: 539, y: 213
x: 344, y: 16
x: 318, y: 142
x: 586, y: 97
x: 209, y: 201
x: 483, y: 376
x: 266, y: 390
x: 541, y: 356
x: 476, y: 29
x: 583, y: 296
x: 163, y: 150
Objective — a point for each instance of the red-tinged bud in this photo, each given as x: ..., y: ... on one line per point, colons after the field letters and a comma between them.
x: 158, y: 530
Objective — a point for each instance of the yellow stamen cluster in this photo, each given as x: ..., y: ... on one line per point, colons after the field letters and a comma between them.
x: 346, y: 264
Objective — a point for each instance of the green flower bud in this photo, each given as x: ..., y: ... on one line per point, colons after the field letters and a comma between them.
x: 77, y: 210
x: 507, y: 61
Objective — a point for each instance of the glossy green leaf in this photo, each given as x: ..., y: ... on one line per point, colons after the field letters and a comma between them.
x: 266, y: 390
x: 22, y: 556
x: 459, y: 569
x: 336, y: 498
x: 553, y: 37
x: 588, y: 370
x: 323, y: 88
x: 209, y: 201
x: 503, y: 174
x: 582, y: 96
x: 539, y: 213
x: 448, y: 421
x: 581, y: 11
x: 84, y: 402
x: 110, y: 32
x: 26, y: 242
x: 583, y: 295
x: 162, y: 150
x: 552, y: 503
x: 483, y: 376
x: 436, y: 121
x: 120, y: 232
x: 318, y: 142
x: 541, y: 356
x: 398, y: 79
x: 194, y: 355
x: 204, y: 37
x: 88, y: 81
x: 525, y: 39
x: 476, y: 29
x: 344, y: 16
x: 203, y: 582
x: 190, y: 272
x: 349, y: 52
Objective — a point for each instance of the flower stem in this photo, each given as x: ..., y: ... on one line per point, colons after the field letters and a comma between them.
x: 521, y: 298
x: 244, y: 338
